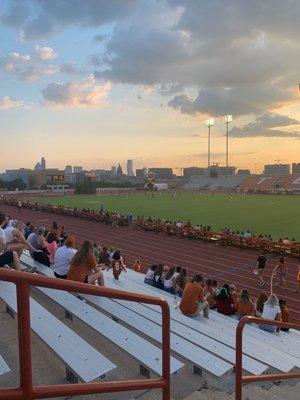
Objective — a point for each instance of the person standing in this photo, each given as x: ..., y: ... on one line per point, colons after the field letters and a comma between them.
x: 281, y: 270
x: 260, y: 268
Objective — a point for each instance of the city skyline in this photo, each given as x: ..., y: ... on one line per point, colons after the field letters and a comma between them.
x: 116, y: 80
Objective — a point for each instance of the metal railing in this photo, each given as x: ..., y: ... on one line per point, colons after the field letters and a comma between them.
x: 239, y: 378
x: 27, y: 391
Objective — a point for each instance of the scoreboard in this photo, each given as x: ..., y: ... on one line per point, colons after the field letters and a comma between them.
x: 57, y: 178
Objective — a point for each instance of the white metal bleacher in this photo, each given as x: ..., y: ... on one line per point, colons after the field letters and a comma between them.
x: 200, y: 358
x: 82, y: 361
x: 4, y: 368
x: 219, y: 327
x: 146, y: 353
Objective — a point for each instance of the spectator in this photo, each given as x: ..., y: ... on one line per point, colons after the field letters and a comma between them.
x: 177, y: 272
x: 38, y: 242
x: 117, y: 265
x: 9, y: 258
x: 261, y: 300
x: 51, y: 246
x: 149, y: 277
x: 285, y: 315
x: 233, y: 294
x: 168, y: 281
x: 63, y: 257
x: 28, y: 229
x: 224, y: 302
x: 137, y: 265
x: 158, y: 276
x: 180, y: 282
x: 193, y: 300
x: 97, y: 251
x: 54, y: 229
x: 211, y: 294
x: 271, y: 311
x: 14, y: 238
x: 83, y: 266
x: 104, y: 256
x: 281, y: 269
x: 244, y: 305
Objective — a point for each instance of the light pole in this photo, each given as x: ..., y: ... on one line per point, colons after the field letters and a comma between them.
x: 210, y: 122
x: 227, y: 120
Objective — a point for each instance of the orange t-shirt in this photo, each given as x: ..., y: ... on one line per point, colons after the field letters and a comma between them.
x: 137, y: 267
x: 191, y: 295
x: 285, y: 315
x: 244, y: 309
x: 298, y: 276
x: 80, y: 272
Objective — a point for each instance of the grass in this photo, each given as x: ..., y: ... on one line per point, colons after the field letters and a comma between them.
x: 277, y: 215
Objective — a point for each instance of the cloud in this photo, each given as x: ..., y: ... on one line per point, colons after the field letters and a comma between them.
x: 45, y: 53
x: 267, y: 125
x: 13, y: 62
x: 7, y: 103
x: 84, y: 94
x: 41, y: 18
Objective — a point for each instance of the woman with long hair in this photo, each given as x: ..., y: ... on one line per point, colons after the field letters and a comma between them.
x: 180, y: 282
x: 168, y: 280
x: 149, y: 276
x: 51, y: 246
x: 271, y: 311
x: 158, y: 276
x: 259, y: 306
x: 84, y: 267
x: 224, y: 302
x: 244, y: 305
x: 281, y: 270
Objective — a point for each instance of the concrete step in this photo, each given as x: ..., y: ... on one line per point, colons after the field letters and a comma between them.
x: 209, y: 394
x: 285, y: 392
x: 256, y: 392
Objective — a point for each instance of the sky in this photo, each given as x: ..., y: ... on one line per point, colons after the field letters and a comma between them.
x: 97, y: 82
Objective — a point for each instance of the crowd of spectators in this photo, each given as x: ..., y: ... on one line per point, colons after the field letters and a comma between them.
x: 224, y: 236
x: 54, y: 248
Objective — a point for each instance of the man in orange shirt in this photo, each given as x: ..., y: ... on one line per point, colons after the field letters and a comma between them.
x: 193, y: 300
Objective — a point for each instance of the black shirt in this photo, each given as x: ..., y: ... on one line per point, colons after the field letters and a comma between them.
x: 261, y: 262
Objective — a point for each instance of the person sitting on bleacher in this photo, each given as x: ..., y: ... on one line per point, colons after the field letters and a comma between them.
x: 259, y: 306
x: 158, y: 276
x: 224, y: 302
x: 271, y: 311
x: 193, y: 299
x: 63, y: 257
x: 180, y: 282
x: 83, y: 266
x: 149, y: 276
x: 117, y: 265
x: 169, y: 280
x: 51, y: 246
x: 37, y: 241
x: 7, y: 258
x: 104, y: 256
x: 244, y: 305
x: 211, y: 296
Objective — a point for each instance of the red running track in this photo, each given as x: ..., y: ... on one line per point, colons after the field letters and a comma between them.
x: 226, y: 264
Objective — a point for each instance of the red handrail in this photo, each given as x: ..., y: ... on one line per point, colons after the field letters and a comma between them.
x: 28, y: 391
x: 239, y: 378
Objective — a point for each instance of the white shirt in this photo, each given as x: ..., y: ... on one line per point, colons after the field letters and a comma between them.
x: 168, y: 283
x: 9, y: 233
x: 150, y: 274
x: 270, y: 312
x: 2, y: 237
x: 62, y: 259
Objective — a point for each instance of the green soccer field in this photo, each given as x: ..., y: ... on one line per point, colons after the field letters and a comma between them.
x: 277, y: 215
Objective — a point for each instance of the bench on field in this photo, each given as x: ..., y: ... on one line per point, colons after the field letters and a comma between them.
x: 82, y: 361
x: 4, y: 368
x: 148, y: 355
x: 220, y: 327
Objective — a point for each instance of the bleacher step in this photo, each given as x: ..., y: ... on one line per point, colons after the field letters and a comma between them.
x: 285, y: 392
x: 209, y: 394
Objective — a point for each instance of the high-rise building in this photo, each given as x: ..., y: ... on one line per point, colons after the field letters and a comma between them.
x: 68, y: 169
x: 43, y: 163
x: 38, y: 166
x: 130, y: 168
x: 277, y: 169
x: 296, y: 168
x: 113, y: 170
x: 145, y: 171
x: 119, y: 170
x: 77, y: 169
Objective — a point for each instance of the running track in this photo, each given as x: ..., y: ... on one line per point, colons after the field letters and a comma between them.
x: 226, y: 264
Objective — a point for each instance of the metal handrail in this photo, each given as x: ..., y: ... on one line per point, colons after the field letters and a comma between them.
x: 28, y: 391
x: 239, y: 378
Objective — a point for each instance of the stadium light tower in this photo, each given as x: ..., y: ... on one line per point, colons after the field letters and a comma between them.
x: 209, y: 123
x: 227, y: 120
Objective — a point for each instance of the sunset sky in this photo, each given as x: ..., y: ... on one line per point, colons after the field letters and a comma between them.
x: 96, y: 82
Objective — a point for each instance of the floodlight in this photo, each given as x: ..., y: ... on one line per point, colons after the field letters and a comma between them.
x: 210, y: 122
x: 228, y: 119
